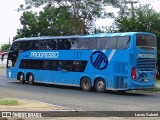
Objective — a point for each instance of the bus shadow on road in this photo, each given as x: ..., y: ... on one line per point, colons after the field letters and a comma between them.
x: 58, y: 86
x: 131, y: 93
x: 63, y: 87
x: 110, y: 92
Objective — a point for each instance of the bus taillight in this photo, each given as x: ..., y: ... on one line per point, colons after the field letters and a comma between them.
x: 133, y: 73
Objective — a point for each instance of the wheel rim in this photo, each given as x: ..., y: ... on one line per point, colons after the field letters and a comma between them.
x: 100, y: 85
x: 21, y: 77
x: 30, y: 78
x: 86, y: 84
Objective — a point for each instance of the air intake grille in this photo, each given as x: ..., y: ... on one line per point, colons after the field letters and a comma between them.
x: 121, y: 68
x: 146, y: 64
x: 120, y: 82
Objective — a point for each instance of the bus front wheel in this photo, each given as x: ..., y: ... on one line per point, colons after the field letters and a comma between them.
x: 31, y: 79
x: 21, y: 78
x: 86, y: 84
x: 100, y: 85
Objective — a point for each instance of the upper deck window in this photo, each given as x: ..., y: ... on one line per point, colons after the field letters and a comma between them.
x: 144, y: 41
x: 107, y: 43
x: 52, y: 44
x: 121, y: 42
x: 118, y: 42
x: 87, y: 43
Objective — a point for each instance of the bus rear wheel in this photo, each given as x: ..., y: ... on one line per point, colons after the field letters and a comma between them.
x: 31, y: 79
x: 21, y: 78
x: 100, y: 85
x: 86, y: 84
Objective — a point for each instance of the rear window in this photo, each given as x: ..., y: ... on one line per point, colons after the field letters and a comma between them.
x: 144, y: 41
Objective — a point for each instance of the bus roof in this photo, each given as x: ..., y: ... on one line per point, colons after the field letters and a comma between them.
x: 48, y: 37
x: 83, y: 36
x: 114, y: 34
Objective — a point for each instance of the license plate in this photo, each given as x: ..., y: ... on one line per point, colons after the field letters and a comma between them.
x: 145, y: 79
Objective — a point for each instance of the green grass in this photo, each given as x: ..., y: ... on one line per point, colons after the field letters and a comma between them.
x: 158, y: 81
x: 8, y: 102
x: 156, y: 89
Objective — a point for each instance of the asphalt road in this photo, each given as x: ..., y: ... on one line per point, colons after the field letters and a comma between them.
x: 76, y: 99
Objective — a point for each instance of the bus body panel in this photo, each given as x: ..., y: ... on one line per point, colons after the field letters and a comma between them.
x: 68, y: 67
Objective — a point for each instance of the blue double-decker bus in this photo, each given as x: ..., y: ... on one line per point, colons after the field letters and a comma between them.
x: 104, y: 61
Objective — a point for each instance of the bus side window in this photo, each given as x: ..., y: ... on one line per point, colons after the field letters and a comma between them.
x: 42, y: 45
x: 23, y: 64
x: 14, y: 47
x: 54, y: 44
x: 48, y: 44
x: 66, y: 65
x: 66, y: 44
x: 74, y: 44
x: 54, y: 65
x: 79, y: 66
x: 29, y: 45
x: 21, y: 45
x: 123, y: 42
x: 87, y: 43
x: 36, y: 45
x: 47, y: 65
x: 76, y: 66
x: 24, y: 45
x: 107, y: 43
x: 59, y: 44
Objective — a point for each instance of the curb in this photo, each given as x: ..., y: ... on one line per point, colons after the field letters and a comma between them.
x: 65, y: 108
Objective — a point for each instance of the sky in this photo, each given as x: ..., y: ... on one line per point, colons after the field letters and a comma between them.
x: 9, y: 19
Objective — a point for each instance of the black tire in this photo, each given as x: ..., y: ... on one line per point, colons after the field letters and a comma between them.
x: 100, y: 85
x: 86, y: 84
x: 21, y: 78
x: 31, y: 79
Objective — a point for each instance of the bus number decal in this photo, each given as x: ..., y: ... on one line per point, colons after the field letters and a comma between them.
x: 99, y: 60
x: 44, y: 54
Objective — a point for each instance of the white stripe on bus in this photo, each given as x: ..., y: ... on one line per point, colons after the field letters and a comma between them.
x: 102, y: 35
x: 111, y: 54
x: 123, y: 34
x: 104, y: 50
x: 113, y: 34
x: 94, y: 50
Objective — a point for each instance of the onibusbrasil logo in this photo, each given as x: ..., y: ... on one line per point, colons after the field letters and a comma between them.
x: 99, y: 60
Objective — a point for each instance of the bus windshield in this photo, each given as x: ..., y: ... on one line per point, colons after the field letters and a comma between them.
x: 146, y: 41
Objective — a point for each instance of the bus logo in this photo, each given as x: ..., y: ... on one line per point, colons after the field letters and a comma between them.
x: 99, y: 60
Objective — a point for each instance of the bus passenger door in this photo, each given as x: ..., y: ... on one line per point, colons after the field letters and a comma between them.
x: 52, y: 71
x: 69, y: 75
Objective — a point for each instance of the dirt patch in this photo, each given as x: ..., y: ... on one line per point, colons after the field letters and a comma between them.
x: 31, y: 105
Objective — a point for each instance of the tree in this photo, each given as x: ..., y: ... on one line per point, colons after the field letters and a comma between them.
x: 84, y: 12
x: 58, y: 21
x: 145, y: 19
x: 50, y: 21
x: 5, y: 47
x: 29, y: 23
